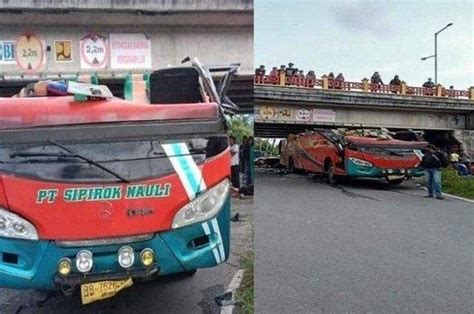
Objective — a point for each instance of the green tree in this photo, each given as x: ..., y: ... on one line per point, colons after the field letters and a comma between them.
x: 240, y: 126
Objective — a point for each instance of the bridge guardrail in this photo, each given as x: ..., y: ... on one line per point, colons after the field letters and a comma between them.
x: 363, y: 86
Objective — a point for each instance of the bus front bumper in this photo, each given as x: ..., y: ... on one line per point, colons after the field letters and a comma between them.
x: 355, y: 170
x: 28, y: 264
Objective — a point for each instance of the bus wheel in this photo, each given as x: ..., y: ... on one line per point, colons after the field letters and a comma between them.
x: 291, y: 165
x: 396, y: 181
x: 333, y: 179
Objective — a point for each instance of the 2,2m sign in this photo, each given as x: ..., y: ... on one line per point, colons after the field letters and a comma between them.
x: 94, y: 51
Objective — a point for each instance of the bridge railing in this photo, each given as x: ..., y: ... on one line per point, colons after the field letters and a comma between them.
x: 363, y: 86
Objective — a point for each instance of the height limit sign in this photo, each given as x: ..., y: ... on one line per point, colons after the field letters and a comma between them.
x: 94, y: 51
x: 29, y: 53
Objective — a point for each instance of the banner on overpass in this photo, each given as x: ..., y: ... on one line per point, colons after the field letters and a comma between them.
x: 284, y: 113
x: 130, y: 51
x: 324, y: 115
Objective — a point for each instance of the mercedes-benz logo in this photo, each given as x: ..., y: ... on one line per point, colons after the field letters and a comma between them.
x: 106, y: 211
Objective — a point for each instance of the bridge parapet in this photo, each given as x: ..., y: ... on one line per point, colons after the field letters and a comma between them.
x: 364, y: 86
x: 354, y: 99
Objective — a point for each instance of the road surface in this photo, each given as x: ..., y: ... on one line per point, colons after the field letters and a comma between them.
x: 364, y: 247
x: 172, y: 295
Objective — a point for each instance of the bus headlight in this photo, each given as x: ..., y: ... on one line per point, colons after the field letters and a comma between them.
x: 84, y: 261
x: 360, y: 162
x: 203, y: 207
x: 13, y: 226
x: 126, y: 256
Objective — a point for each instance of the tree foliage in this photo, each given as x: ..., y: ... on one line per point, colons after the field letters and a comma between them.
x: 240, y: 126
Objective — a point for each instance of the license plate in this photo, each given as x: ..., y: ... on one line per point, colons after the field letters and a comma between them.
x: 395, y: 177
x: 91, y: 292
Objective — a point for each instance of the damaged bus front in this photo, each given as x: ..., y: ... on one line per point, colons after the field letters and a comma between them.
x: 94, y: 194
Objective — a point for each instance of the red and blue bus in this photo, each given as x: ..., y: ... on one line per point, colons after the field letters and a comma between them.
x: 94, y: 194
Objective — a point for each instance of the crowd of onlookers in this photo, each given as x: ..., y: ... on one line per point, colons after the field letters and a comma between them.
x: 242, y: 165
x: 298, y: 77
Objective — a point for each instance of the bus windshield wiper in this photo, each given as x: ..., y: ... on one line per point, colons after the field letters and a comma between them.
x: 89, y: 161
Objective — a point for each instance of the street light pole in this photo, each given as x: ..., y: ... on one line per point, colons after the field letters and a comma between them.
x: 436, y: 52
x: 436, y: 58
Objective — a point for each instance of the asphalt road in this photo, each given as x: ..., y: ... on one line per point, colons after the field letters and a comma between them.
x: 169, y: 295
x: 362, y: 248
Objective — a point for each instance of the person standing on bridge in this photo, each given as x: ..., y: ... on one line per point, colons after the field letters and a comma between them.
x: 331, y: 80
x: 339, y: 80
x: 376, y: 81
x: 433, y: 160
x: 310, y: 78
x: 274, y: 72
x: 290, y: 70
x: 428, y: 87
x: 395, y: 82
x: 260, y: 71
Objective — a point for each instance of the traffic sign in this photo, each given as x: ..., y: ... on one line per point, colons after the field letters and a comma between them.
x: 94, y: 51
x: 29, y: 52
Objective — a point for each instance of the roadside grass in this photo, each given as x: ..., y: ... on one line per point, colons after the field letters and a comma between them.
x: 457, y: 185
x: 245, y: 293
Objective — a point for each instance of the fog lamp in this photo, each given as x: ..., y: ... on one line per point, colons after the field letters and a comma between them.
x: 126, y: 256
x: 147, y: 256
x: 64, y: 267
x: 84, y: 261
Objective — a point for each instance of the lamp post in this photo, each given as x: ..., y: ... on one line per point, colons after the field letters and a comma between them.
x: 435, y: 56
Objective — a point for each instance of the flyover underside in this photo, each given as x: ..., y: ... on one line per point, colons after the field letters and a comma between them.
x: 276, y: 117
x: 282, y: 130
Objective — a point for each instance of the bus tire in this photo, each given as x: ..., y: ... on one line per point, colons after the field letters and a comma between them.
x: 291, y: 165
x: 333, y: 179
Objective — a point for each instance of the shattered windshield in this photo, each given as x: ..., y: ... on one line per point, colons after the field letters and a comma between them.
x: 120, y: 160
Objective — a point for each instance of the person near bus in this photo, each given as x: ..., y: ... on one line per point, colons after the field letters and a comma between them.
x: 465, y: 159
x: 243, y: 163
x: 433, y: 160
x: 250, y: 165
x: 234, y: 163
x: 458, y: 164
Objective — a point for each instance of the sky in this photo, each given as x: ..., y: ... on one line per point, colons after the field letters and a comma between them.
x: 358, y: 38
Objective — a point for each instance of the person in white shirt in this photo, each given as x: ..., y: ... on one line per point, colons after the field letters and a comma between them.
x: 234, y: 162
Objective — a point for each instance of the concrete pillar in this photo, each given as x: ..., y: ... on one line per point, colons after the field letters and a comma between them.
x: 282, y: 78
x: 471, y: 93
x: 470, y: 121
x: 403, y: 88
x: 466, y: 138
x: 325, y: 82
x: 439, y: 90
x: 365, y: 85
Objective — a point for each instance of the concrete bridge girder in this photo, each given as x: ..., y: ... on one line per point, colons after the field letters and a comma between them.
x: 307, y: 114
